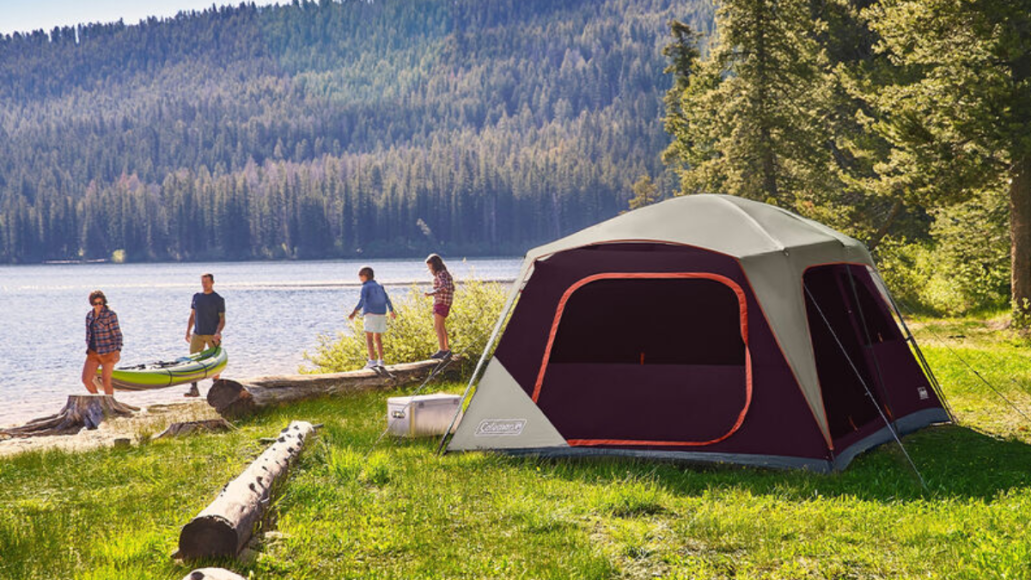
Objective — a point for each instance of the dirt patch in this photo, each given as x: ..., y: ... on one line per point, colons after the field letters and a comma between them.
x: 998, y: 324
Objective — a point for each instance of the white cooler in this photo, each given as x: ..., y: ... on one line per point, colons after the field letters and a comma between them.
x: 422, y: 415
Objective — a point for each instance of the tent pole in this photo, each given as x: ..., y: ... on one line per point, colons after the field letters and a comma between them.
x: 516, y: 289
x: 880, y: 411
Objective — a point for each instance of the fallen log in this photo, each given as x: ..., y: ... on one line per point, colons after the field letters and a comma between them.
x: 213, y: 574
x: 80, y: 411
x: 208, y: 425
x: 232, y: 398
x: 225, y: 526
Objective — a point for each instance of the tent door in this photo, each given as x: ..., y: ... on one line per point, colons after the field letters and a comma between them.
x: 861, y: 320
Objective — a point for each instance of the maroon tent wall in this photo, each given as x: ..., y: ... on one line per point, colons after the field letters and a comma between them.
x: 692, y: 384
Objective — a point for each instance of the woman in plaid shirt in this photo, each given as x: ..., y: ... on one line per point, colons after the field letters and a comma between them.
x: 443, y: 295
x: 103, y: 343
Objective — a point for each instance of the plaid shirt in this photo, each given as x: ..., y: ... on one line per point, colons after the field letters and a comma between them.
x: 109, y: 335
x: 443, y: 288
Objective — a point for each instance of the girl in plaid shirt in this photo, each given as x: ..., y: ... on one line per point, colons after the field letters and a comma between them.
x: 443, y: 295
x: 103, y: 343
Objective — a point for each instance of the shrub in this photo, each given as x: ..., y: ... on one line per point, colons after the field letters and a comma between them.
x: 410, y: 336
x: 917, y: 277
x: 973, y: 243
x: 965, y: 265
x: 905, y: 269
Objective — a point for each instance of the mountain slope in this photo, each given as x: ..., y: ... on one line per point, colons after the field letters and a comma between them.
x: 330, y: 129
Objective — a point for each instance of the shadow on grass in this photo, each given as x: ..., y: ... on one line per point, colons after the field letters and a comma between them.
x: 956, y: 462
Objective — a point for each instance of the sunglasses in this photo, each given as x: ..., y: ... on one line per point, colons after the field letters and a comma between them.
x: 98, y: 302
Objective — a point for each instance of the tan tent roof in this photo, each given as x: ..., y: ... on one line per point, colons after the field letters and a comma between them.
x: 730, y: 225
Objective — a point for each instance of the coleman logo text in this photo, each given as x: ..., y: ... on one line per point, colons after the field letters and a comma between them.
x: 495, y: 427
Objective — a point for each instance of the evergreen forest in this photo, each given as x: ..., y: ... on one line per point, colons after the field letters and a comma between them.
x: 331, y: 129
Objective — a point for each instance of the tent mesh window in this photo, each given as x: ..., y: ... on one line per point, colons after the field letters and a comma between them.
x: 687, y: 321
x: 647, y: 359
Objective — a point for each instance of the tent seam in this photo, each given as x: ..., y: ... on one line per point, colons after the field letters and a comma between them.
x: 754, y: 222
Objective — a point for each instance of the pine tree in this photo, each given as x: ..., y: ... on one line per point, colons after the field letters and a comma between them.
x: 751, y: 116
x: 958, y: 112
x: 645, y: 193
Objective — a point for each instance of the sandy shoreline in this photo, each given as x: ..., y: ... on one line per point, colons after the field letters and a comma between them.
x: 19, y: 412
x: 149, y: 422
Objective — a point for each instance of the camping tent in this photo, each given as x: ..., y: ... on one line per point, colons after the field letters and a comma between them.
x: 703, y: 328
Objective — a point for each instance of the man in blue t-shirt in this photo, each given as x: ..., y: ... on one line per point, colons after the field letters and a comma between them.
x: 207, y: 319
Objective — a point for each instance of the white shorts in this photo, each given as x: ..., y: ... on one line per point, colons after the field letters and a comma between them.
x: 375, y: 323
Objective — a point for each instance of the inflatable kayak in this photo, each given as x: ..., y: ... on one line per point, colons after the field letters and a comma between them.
x: 161, y: 374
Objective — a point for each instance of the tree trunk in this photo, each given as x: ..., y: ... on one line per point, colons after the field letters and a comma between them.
x: 770, y: 189
x: 556, y: 213
x: 882, y: 231
x: 492, y: 220
x: 1020, y: 240
x: 225, y: 526
x: 80, y: 411
x: 241, y: 398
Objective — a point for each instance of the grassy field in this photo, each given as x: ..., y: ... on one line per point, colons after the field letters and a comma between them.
x: 403, y: 512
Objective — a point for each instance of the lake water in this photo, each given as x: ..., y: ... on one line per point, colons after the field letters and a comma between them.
x: 274, y: 312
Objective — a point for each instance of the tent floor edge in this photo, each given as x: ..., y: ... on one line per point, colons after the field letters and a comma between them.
x: 905, y: 425
x: 777, y: 462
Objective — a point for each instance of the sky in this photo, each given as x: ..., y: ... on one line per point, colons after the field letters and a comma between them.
x: 27, y: 15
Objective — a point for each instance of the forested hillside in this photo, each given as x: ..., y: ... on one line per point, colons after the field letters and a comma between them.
x: 330, y: 129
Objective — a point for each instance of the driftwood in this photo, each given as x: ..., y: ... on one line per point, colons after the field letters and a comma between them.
x: 213, y: 574
x: 225, y: 526
x: 80, y: 411
x: 241, y: 398
x: 208, y: 425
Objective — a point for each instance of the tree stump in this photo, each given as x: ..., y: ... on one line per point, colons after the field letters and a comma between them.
x: 225, y: 526
x: 209, y: 425
x: 241, y: 398
x: 80, y: 411
x: 213, y: 574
